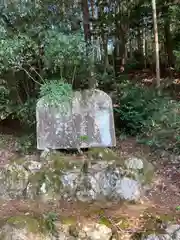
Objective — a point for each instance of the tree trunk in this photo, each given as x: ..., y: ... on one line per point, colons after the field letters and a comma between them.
x: 87, y: 36
x: 139, y: 40
x: 156, y: 43
x: 105, y: 48
x: 131, y: 48
x: 144, y: 47
x: 168, y: 39
x: 86, y: 21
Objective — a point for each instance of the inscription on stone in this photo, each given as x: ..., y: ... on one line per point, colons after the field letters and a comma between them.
x: 83, y: 122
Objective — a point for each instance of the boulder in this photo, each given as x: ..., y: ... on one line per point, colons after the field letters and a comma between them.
x: 143, y: 169
x: 95, y: 231
x: 13, y: 180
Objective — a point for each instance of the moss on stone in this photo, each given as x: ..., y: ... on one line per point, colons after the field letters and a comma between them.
x: 148, y: 172
x: 144, y: 175
x: 2, y: 236
x: 130, y: 175
x: 168, y: 218
x: 15, y: 173
x: 105, y: 154
x: 105, y: 221
x: 18, y: 161
x: 32, y: 224
x: 48, y: 177
x: 61, y: 162
x: 68, y: 220
x: 24, y: 221
x: 36, y: 177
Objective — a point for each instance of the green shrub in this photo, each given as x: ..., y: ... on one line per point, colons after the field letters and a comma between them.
x: 177, y: 55
x: 17, y: 51
x: 5, y: 103
x: 56, y: 91
x: 154, y: 119
x: 137, y: 105
x: 26, y: 113
x: 26, y: 143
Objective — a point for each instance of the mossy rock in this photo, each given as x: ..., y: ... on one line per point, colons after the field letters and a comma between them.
x: 13, y: 180
x: 31, y: 223
x: 29, y: 165
x: 105, y: 154
x: 23, y: 181
x: 24, y: 227
x: 62, y: 162
x: 105, y: 221
x: 48, y: 178
x: 19, y: 161
x: 141, y: 168
x: 16, y: 172
x: 148, y: 172
x: 68, y: 220
x: 44, y: 182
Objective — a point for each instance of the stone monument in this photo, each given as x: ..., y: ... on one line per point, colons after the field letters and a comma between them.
x: 84, y: 121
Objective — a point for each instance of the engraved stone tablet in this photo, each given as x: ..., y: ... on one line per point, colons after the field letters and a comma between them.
x: 83, y: 122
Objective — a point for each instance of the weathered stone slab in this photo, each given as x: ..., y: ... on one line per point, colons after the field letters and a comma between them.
x: 85, y: 121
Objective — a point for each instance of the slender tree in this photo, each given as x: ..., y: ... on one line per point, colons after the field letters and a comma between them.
x: 156, y: 43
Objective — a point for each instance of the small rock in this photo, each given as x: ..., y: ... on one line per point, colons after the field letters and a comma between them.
x: 128, y: 189
x: 165, y: 237
x: 152, y: 237
x: 172, y: 228
x: 159, y: 237
x: 164, y: 154
x: 134, y: 163
x: 97, y: 232
x: 124, y: 236
x: 45, y: 154
x: 34, y: 166
x: 174, y: 158
x: 17, y: 147
x: 174, y: 231
x: 61, y: 236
